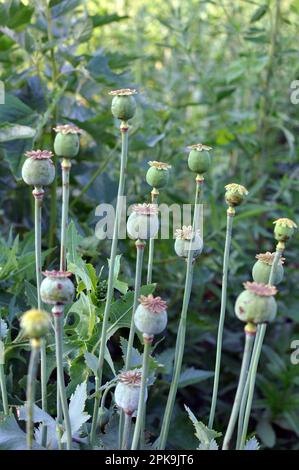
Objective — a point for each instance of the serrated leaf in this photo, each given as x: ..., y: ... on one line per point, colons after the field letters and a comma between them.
x: 91, y: 361
x: 211, y: 446
x: 192, y: 376
x: 76, y: 409
x: 252, y: 444
x: 11, y: 435
x: 202, y: 432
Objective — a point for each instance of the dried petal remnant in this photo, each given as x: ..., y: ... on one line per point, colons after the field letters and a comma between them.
x: 39, y: 154
x: 263, y: 290
x: 154, y: 304
x: 131, y: 377
x: 67, y: 129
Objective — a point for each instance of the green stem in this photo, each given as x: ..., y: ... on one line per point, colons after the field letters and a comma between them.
x: 138, y: 275
x: 249, y: 339
x: 3, y: 389
x: 38, y: 194
x: 143, y: 389
x: 110, y: 287
x: 154, y: 195
x: 58, y: 324
x: 180, y: 344
x: 230, y: 218
x: 32, y: 370
x: 66, y: 168
x: 127, y: 431
x: 261, y: 331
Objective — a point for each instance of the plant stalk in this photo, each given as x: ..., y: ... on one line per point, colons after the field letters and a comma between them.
x: 58, y: 324
x: 65, y: 168
x: 127, y: 431
x: 154, y: 197
x: 249, y: 340
x: 141, y: 411
x: 110, y: 288
x: 3, y: 389
x: 32, y: 371
x: 180, y: 345
x: 228, y: 239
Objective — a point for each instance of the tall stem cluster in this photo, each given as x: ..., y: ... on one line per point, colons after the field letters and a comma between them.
x: 154, y: 197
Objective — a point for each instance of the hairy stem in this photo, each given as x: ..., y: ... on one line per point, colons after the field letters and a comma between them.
x: 98, y: 380
x: 141, y: 411
x: 58, y: 324
x: 180, y: 345
x: 32, y: 370
x: 230, y: 218
x: 249, y: 339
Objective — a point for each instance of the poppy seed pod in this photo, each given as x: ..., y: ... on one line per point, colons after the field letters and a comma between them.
x: 199, y: 160
x: 256, y: 304
x: 38, y: 169
x: 35, y: 323
x: 151, y: 316
x: 127, y: 391
x: 262, y: 268
x: 235, y: 194
x: 123, y: 105
x: 143, y: 223
x: 158, y: 174
x: 66, y: 143
x: 57, y: 288
x: 187, y: 240
x: 284, y: 229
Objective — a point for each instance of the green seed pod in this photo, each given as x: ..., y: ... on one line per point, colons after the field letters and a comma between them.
x: 123, y: 105
x: 262, y: 268
x: 186, y: 240
x: 284, y: 229
x: 103, y: 417
x: 66, y: 143
x: 158, y: 174
x: 151, y: 316
x: 235, y: 194
x: 35, y: 323
x: 56, y: 288
x: 143, y: 223
x: 199, y: 160
x: 256, y: 304
x: 127, y: 391
x: 38, y: 169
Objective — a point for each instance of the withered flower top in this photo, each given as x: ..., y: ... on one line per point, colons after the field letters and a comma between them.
x: 123, y: 92
x: 39, y: 154
x: 131, y: 377
x: 185, y: 233
x: 236, y: 188
x: 67, y: 129
x: 199, y: 147
x: 284, y: 222
x: 145, y: 209
x: 154, y: 304
x: 57, y: 273
x: 264, y: 290
x: 268, y: 258
x: 159, y: 165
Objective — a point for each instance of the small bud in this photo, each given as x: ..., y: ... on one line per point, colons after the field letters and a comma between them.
x: 158, y: 174
x: 256, y: 304
x: 235, y: 194
x: 143, y: 223
x: 284, y: 229
x: 151, y: 316
x: 66, y: 143
x: 187, y: 240
x: 123, y: 105
x: 35, y: 323
x: 262, y: 268
x: 199, y: 160
x: 57, y: 288
x: 103, y: 417
x: 127, y: 391
x: 38, y: 169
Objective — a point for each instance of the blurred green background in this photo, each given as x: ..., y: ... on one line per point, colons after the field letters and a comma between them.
x: 217, y: 72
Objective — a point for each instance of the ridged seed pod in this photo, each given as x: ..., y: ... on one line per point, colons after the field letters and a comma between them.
x: 199, y: 160
x: 35, y: 323
x: 127, y: 391
x: 151, y: 315
x: 67, y: 143
x: 235, y: 194
x: 38, y: 169
x: 123, y: 105
x: 262, y: 268
x: 256, y: 304
x: 157, y: 175
x: 187, y: 240
x: 284, y: 229
x: 57, y: 288
x: 143, y: 222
